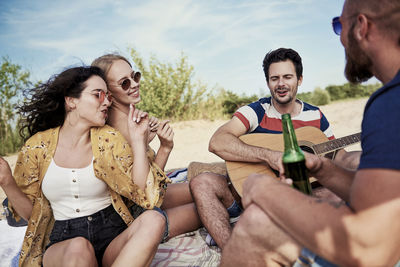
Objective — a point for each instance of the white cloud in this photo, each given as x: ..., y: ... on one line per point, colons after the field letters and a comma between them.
x: 221, y: 39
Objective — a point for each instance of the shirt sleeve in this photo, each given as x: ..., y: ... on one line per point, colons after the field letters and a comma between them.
x: 380, y: 140
x: 114, y: 163
x: 325, y: 127
x: 248, y: 117
x: 26, y: 173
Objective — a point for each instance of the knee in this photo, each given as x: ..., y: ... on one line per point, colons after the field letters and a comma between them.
x: 251, y: 221
x: 198, y: 182
x: 152, y: 223
x: 207, y: 182
x: 79, y: 249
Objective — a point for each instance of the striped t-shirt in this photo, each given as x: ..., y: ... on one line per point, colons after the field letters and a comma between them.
x: 262, y: 117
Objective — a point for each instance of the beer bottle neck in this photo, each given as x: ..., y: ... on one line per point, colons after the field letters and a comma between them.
x: 292, y: 152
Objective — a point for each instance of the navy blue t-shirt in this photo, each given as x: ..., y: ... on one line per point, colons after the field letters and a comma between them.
x: 380, y: 136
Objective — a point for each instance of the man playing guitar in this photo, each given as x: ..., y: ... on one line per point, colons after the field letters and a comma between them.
x: 215, y: 202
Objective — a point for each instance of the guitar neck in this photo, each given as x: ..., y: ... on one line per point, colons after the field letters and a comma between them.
x: 336, y: 144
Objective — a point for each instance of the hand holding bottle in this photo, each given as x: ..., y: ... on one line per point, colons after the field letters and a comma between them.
x: 293, y: 158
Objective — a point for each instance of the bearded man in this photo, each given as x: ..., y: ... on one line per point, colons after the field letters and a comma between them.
x: 281, y: 226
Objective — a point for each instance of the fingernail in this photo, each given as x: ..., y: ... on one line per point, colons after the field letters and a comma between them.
x: 134, y: 119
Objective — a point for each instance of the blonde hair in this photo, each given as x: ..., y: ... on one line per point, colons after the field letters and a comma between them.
x: 105, y: 62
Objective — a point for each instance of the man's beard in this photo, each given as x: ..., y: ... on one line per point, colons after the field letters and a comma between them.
x: 358, y: 63
x: 284, y: 102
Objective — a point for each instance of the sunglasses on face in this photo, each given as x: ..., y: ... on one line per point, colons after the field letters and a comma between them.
x: 126, y: 83
x: 337, y: 25
x: 101, y: 95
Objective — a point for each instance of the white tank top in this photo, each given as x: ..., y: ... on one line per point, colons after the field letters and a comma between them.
x: 74, y: 192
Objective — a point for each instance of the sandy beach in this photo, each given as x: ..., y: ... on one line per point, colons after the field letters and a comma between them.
x: 191, y: 137
x: 191, y: 144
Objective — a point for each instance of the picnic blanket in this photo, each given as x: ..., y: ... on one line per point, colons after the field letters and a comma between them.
x: 188, y: 249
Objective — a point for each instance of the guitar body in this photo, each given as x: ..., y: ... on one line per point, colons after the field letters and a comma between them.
x: 239, y: 171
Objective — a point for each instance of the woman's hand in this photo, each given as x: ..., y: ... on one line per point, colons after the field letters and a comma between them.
x: 138, y: 125
x: 153, y: 124
x: 166, y: 135
x: 5, y: 173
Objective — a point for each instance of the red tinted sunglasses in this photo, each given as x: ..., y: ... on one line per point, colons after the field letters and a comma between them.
x: 101, y: 95
x: 126, y: 83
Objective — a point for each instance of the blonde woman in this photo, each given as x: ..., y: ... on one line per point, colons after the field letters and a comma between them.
x: 124, y: 84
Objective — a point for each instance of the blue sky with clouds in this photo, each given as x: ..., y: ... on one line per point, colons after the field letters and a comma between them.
x: 225, y: 41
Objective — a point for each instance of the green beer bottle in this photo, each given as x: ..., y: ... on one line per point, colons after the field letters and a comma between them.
x: 293, y: 158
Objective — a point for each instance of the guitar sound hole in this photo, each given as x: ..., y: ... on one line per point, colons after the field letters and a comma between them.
x: 307, y: 149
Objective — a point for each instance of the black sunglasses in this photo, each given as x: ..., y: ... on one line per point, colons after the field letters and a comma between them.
x: 337, y: 25
x: 126, y: 83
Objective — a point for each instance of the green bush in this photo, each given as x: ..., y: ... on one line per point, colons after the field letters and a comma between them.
x: 13, y: 80
x: 320, y: 97
x: 233, y: 101
x: 305, y: 97
x: 348, y: 90
x: 168, y: 90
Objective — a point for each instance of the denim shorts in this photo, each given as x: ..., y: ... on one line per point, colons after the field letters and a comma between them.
x: 309, y: 259
x: 136, y: 210
x: 99, y: 228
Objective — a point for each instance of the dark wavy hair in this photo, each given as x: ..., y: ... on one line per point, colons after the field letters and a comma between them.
x: 44, y: 107
x: 282, y: 54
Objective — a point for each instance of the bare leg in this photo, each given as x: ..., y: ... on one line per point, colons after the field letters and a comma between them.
x: 177, y: 195
x: 137, y: 245
x: 257, y: 241
x: 212, y: 197
x: 72, y: 252
x: 183, y: 219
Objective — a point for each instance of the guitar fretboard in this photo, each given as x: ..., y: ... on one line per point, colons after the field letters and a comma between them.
x: 336, y: 144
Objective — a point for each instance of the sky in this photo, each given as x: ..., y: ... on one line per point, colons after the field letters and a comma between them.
x: 225, y: 41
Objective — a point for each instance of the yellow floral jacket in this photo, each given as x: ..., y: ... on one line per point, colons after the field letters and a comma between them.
x: 112, y: 163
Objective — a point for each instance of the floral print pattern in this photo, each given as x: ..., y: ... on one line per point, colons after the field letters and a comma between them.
x: 112, y: 163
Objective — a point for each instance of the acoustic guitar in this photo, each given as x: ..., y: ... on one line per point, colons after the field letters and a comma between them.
x: 310, y: 139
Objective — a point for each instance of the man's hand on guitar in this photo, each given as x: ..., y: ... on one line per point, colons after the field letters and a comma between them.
x: 274, y: 160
